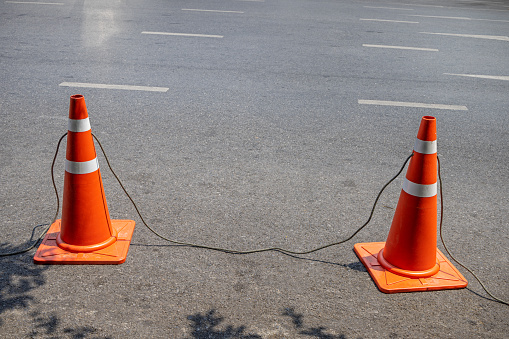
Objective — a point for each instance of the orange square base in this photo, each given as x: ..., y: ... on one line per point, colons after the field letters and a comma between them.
x: 447, y: 278
x: 49, y: 252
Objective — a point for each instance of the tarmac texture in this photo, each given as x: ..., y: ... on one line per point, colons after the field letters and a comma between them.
x: 249, y: 124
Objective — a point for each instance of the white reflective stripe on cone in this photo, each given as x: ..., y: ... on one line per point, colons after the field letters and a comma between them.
x: 425, y: 147
x: 418, y: 190
x: 81, y: 125
x: 83, y: 167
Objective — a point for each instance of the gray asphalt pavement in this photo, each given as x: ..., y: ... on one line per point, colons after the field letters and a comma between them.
x: 268, y: 123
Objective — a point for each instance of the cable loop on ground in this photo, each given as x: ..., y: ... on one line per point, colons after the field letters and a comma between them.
x: 232, y: 251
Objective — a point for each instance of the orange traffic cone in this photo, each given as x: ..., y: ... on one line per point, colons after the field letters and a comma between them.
x: 409, y: 260
x: 85, y: 234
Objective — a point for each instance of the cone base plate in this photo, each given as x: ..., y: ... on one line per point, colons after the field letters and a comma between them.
x: 447, y: 278
x: 49, y: 252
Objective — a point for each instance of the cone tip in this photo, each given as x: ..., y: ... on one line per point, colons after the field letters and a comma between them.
x: 428, y: 129
x: 77, y: 107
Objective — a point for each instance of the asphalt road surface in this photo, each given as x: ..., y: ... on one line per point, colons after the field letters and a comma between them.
x: 247, y: 124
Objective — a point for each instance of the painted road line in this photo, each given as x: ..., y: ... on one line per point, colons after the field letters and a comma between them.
x: 483, y: 9
x: 402, y: 47
x: 399, y: 21
x: 437, y: 6
x: 34, y: 3
x: 493, y: 77
x: 454, y: 18
x: 210, y: 10
x: 451, y: 7
x: 489, y: 37
x: 440, y: 17
x: 394, y: 8
x: 185, y: 34
x: 492, y: 20
x: 412, y: 104
x: 455, y: 7
x: 107, y: 86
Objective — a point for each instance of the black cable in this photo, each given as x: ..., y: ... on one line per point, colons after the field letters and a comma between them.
x: 56, y: 213
x: 277, y: 249
x: 449, y: 252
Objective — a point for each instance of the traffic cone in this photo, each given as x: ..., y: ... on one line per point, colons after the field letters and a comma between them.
x: 85, y: 234
x: 409, y: 260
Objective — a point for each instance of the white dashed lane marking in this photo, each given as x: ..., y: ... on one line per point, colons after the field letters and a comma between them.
x: 393, y: 8
x: 489, y: 37
x: 210, y: 10
x: 492, y: 77
x: 412, y: 104
x: 185, y: 34
x: 454, y: 18
x: 109, y: 86
x: 34, y: 3
x: 402, y: 47
x: 398, y: 21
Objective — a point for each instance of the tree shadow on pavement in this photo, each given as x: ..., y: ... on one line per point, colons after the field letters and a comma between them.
x: 49, y: 326
x: 207, y: 326
x: 204, y: 326
x: 315, y: 332
x: 18, y: 276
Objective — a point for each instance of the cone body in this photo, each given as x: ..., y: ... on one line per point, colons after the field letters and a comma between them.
x: 86, y: 224
x: 412, y: 241
x: 85, y: 234
x: 409, y: 260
